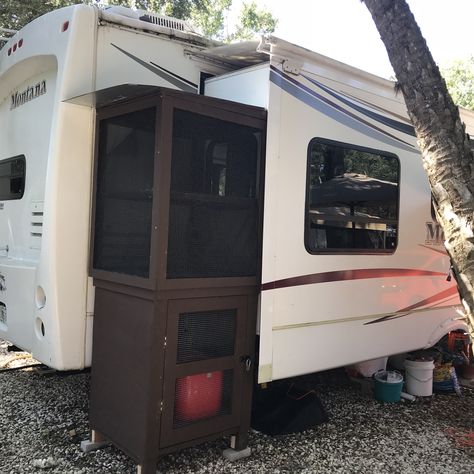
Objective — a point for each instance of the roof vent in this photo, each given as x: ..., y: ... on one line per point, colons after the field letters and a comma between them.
x: 149, y: 17
x: 165, y: 21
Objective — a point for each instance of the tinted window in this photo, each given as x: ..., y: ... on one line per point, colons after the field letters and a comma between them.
x: 352, y: 199
x: 124, y: 195
x: 213, y: 202
x: 12, y: 178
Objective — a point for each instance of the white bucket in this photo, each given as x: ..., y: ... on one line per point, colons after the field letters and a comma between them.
x: 419, y: 377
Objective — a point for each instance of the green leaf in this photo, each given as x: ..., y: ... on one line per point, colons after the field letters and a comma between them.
x: 459, y: 77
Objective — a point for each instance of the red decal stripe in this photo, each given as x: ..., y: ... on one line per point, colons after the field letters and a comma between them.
x: 401, y: 313
x: 347, y: 275
x: 432, y: 299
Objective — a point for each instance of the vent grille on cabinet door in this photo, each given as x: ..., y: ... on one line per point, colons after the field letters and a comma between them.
x: 206, y: 335
x: 36, y: 224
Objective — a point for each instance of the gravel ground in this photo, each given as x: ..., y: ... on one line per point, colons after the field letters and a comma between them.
x: 43, y: 418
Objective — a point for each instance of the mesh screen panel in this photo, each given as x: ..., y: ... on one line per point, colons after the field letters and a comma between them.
x: 213, y: 202
x: 202, y: 396
x: 206, y: 335
x: 124, y: 197
x: 212, y: 239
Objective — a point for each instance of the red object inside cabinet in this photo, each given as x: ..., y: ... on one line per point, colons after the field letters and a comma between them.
x: 198, y: 396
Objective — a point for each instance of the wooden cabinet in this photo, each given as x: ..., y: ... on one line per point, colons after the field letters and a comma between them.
x: 176, y: 265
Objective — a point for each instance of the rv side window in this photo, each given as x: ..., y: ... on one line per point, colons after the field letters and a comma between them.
x: 12, y: 178
x: 352, y: 199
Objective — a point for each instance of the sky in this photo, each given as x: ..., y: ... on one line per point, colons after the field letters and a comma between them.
x: 344, y: 29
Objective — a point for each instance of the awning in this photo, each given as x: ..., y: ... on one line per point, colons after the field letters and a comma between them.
x: 113, y: 94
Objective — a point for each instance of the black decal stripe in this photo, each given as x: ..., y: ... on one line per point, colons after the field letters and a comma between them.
x: 177, y: 81
x: 194, y: 86
x: 333, y: 110
x: 395, y: 124
x: 375, y: 106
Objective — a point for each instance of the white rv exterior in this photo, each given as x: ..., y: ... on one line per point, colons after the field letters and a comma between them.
x: 332, y: 309
x: 47, y: 296
x: 318, y: 310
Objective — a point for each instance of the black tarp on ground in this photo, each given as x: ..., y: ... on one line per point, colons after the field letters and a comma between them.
x: 285, y: 408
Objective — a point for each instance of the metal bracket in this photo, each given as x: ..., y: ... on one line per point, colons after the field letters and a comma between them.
x: 291, y: 67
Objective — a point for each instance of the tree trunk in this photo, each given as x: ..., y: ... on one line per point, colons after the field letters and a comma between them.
x: 444, y: 144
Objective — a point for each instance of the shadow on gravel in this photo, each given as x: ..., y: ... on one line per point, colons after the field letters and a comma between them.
x: 44, y: 418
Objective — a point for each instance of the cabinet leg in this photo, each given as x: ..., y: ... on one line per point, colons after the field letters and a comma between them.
x: 97, y: 437
x: 238, y: 447
x: 239, y: 441
x: 97, y: 441
x: 147, y: 467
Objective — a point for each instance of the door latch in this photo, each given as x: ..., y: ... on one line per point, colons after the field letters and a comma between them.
x: 247, y: 361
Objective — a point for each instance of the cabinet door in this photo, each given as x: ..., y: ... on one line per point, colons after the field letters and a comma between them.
x: 206, y: 367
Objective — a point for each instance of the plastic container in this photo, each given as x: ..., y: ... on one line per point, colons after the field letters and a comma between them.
x: 388, y: 386
x: 369, y: 367
x: 419, y: 377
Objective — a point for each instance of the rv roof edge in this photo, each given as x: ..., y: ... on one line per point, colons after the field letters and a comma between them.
x: 147, y: 26
x: 282, y: 50
x: 234, y: 56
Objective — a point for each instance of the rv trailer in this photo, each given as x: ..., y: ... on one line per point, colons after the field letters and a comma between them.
x: 188, y: 201
x: 322, y: 114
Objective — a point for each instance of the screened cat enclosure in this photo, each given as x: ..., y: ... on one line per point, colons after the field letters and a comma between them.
x: 176, y: 266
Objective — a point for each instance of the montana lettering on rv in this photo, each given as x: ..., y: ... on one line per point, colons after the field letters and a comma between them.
x: 30, y: 93
x: 434, y: 234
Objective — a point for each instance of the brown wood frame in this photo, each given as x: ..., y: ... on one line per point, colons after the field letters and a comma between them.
x: 128, y: 106
x: 166, y: 101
